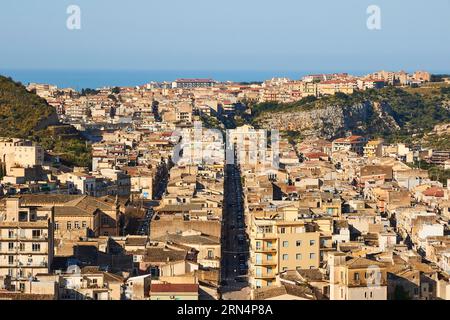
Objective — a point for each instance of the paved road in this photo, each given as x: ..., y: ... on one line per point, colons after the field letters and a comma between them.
x: 234, y: 266
x: 144, y: 226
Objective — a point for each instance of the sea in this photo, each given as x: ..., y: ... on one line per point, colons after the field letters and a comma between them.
x: 79, y: 79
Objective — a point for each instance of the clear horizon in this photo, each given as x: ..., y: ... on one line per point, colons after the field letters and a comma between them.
x: 203, y: 35
x: 81, y: 78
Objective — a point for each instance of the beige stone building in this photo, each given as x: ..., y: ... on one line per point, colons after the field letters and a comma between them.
x: 279, y: 244
x: 356, y: 278
x: 20, y: 153
x: 80, y: 215
x: 91, y: 284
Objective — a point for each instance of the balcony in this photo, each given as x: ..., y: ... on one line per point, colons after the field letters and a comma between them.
x: 19, y: 264
x: 264, y: 262
x: 43, y: 237
x: 364, y: 283
x: 8, y: 237
x: 264, y: 249
x: 35, y: 265
x: 211, y: 258
x: 259, y: 236
x: 263, y: 275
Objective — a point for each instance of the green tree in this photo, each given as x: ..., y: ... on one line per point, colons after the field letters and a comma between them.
x: 115, y: 90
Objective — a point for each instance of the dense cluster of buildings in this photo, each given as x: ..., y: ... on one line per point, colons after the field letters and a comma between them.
x: 178, y: 99
x: 343, y: 219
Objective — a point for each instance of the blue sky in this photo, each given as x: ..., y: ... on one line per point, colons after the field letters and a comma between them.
x: 259, y: 35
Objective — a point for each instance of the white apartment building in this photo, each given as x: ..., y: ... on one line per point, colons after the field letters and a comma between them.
x: 26, y: 242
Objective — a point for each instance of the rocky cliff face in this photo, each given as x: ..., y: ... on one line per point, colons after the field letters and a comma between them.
x: 332, y: 121
x: 44, y: 123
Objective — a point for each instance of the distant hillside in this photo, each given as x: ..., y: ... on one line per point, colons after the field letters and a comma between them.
x: 392, y: 113
x: 25, y: 115
x: 21, y: 112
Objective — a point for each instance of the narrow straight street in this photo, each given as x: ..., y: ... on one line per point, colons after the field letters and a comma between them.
x: 235, y: 249
x: 144, y: 226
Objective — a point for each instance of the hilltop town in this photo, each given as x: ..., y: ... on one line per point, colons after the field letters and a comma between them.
x: 331, y: 210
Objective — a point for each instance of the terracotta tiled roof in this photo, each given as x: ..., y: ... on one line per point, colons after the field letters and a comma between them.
x: 434, y: 192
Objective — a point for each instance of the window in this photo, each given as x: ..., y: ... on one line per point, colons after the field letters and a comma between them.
x: 69, y: 225
x: 77, y: 225
x: 298, y: 256
x: 56, y: 225
x: 10, y: 234
x: 285, y: 257
x: 258, y: 245
x: 282, y: 230
x: 312, y: 255
x: 10, y: 259
x: 36, y: 234
x: 285, y: 244
x: 22, y: 246
x: 264, y: 229
x: 84, y: 224
x: 312, y: 242
x: 300, y: 230
x: 210, y: 254
x: 10, y: 246
x: 298, y: 243
x: 269, y: 257
x: 23, y: 216
x: 356, y: 276
x: 22, y: 287
x: 371, y: 294
x: 36, y: 247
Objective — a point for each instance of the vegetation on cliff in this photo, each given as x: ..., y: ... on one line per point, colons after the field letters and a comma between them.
x: 21, y: 112
x: 414, y: 113
x: 25, y: 115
